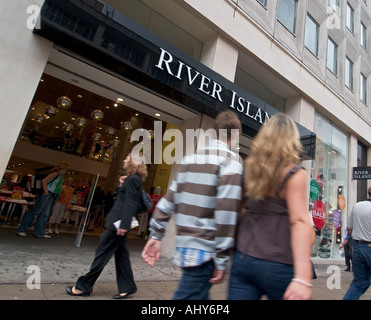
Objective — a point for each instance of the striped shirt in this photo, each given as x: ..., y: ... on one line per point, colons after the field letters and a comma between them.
x: 205, y: 198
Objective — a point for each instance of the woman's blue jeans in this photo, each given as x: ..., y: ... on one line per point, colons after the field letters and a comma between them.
x: 251, y: 278
x: 41, y: 212
x: 361, y: 271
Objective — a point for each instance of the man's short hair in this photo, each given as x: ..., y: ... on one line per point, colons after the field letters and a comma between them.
x: 227, y: 120
x: 369, y: 191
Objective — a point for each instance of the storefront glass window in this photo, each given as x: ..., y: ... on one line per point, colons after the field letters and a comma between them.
x: 328, y: 189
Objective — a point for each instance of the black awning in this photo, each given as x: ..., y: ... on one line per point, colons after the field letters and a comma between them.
x: 98, y: 33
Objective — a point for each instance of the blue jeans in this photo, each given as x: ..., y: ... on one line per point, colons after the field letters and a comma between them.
x: 194, y: 284
x: 251, y: 278
x: 41, y: 212
x: 361, y: 271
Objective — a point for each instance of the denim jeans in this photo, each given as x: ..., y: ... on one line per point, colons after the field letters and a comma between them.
x: 194, y: 284
x: 41, y: 212
x: 361, y: 271
x: 251, y: 278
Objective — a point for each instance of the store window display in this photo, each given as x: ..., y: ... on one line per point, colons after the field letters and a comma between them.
x: 328, y: 189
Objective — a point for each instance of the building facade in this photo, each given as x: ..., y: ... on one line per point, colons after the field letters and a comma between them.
x: 180, y: 62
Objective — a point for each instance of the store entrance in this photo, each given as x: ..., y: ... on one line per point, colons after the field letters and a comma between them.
x: 76, y: 119
x: 85, y: 116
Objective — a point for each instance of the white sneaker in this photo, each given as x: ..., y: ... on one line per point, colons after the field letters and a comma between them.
x: 45, y: 236
x: 21, y: 234
x: 56, y: 231
x: 50, y: 230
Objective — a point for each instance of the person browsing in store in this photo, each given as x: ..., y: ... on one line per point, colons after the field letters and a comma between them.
x: 52, y: 188
x: 60, y: 207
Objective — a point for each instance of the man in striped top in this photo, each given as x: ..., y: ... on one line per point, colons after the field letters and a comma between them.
x: 205, y: 198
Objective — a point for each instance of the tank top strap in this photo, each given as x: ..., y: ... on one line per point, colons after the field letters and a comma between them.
x: 287, y: 177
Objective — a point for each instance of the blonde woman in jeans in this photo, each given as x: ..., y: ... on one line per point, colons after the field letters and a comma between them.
x: 274, y: 237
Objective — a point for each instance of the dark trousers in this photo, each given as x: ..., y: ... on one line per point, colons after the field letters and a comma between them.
x: 348, y: 250
x: 195, y: 284
x: 109, y: 245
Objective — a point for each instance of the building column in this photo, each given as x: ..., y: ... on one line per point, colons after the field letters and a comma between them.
x: 352, y: 162
x: 302, y: 112
x: 221, y: 56
x: 22, y: 61
x: 369, y: 165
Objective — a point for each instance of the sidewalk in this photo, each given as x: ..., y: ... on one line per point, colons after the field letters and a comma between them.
x: 153, y: 290
x: 61, y: 262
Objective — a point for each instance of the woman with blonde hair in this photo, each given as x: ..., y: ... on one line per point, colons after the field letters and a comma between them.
x: 113, y: 240
x: 274, y: 238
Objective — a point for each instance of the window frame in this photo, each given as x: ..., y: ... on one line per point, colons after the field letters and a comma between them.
x: 350, y: 86
x: 335, y: 6
x: 294, y: 18
x: 263, y: 2
x: 308, y: 16
x: 351, y: 18
x: 335, y: 57
x: 363, y: 88
x: 363, y: 36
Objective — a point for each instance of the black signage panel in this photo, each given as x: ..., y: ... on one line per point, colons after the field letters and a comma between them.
x: 114, y: 42
x: 361, y: 173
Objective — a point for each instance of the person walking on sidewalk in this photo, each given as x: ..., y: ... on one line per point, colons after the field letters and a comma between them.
x: 113, y: 240
x: 359, y: 226
x: 348, y: 250
x: 205, y: 198
x: 275, y: 234
x: 52, y: 187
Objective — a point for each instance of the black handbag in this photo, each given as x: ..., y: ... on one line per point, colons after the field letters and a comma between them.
x: 145, y: 202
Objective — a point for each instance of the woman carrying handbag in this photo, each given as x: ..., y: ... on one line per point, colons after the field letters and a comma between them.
x: 113, y: 240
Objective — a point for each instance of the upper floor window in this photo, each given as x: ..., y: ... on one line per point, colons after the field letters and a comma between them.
x: 363, y: 36
x: 350, y: 18
x: 348, y: 73
x: 311, y: 35
x: 263, y: 2
x: 332, y: 56
x: 287, y: 13
x: 334, y: 4
x: 363, y: 89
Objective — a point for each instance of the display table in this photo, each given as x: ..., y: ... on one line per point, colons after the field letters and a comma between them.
x: 12, y: 203
x: 75, y: 212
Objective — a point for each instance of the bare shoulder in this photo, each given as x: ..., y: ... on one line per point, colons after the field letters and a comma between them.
x: 298, y: 180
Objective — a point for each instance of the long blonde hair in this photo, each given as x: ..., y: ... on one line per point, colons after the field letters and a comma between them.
x: 137, y: 167
x: 276, y: 146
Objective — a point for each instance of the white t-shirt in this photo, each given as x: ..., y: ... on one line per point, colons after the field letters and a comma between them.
x: 360, y: 221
